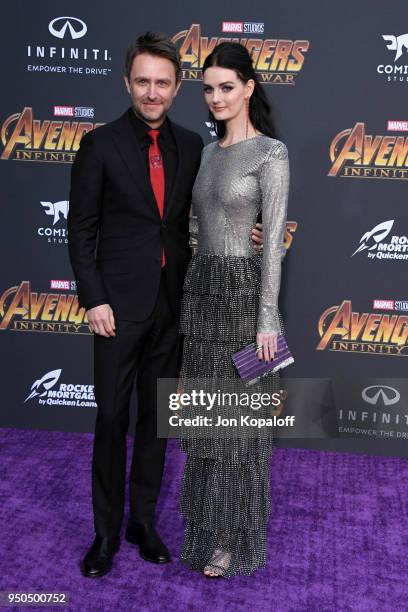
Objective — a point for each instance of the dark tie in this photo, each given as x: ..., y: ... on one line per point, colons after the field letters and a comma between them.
x: 157, y: 175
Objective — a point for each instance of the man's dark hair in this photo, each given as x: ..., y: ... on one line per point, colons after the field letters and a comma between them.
x: 155, y: 44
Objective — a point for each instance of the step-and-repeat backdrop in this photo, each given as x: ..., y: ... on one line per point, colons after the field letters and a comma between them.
x: 337, y: 77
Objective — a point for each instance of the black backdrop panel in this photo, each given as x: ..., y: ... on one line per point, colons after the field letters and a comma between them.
x: 337, y: 78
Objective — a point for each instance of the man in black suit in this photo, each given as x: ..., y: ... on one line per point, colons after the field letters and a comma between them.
x: 129, y: 249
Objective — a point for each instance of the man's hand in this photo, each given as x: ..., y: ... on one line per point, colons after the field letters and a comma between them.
x: 257, y: 237
x: 101, y: 320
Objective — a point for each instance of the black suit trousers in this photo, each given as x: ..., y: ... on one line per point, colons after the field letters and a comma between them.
x: 149, y: 350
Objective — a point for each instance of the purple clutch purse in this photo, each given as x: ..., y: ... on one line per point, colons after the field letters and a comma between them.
x: 251, y: 369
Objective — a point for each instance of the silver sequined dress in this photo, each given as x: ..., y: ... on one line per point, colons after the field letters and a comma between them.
x: 230, y: 294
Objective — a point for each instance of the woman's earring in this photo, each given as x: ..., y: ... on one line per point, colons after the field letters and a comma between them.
x: 246, y: 117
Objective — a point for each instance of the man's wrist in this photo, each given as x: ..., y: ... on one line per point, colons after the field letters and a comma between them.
x: 95, y: 304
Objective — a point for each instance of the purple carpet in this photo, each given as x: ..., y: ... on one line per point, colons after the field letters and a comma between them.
x: 337, y: 538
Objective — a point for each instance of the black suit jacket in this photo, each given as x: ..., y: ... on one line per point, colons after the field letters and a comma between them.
x: 115, y: 233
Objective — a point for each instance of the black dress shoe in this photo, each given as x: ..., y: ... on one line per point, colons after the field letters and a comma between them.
x: 98, y: 560
x: 151, y: 548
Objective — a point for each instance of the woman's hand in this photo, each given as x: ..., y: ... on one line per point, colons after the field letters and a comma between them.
x: 266, y: 346
x: 257, y: 237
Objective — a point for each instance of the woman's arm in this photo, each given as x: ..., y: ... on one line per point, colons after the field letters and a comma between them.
x: 274, y: 184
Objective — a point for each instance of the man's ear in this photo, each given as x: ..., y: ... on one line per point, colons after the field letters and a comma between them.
x: 127, y: 84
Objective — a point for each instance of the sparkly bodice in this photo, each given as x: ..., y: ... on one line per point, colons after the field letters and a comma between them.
x: 233, y: 184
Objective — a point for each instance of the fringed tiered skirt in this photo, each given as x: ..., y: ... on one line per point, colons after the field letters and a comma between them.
x: 225, y: 495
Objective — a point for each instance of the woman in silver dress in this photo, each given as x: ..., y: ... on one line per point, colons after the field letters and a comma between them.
x: 230, y: 300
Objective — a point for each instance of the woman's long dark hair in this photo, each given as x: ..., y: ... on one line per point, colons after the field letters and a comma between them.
x: 235, y: 56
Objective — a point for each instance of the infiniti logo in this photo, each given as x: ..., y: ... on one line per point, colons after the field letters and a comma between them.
x: 76, y: 27
x: 389, y: 395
